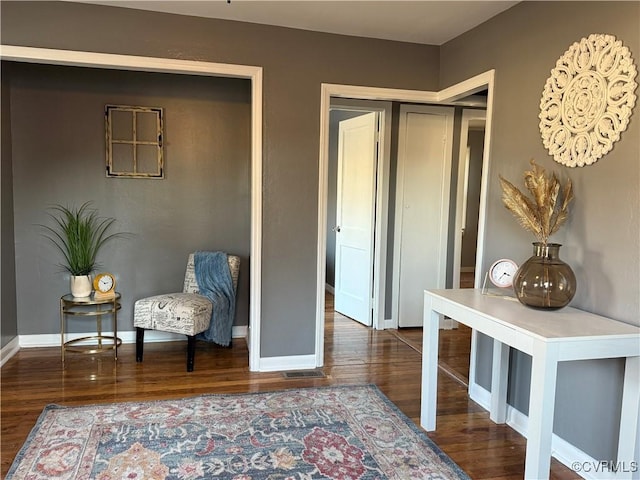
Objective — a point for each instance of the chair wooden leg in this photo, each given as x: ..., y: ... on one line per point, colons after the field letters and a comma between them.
x: 139, y: 343
x: 191, y: 352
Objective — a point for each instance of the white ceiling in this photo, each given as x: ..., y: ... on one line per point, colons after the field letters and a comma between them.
x: 416, y: 21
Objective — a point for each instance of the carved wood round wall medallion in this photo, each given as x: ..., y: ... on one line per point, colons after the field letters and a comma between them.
x: 587, y: 100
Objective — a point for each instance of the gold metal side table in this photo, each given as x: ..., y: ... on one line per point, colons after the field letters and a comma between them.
x: 90, y: 307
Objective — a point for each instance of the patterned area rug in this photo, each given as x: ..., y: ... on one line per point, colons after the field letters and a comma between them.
x: 343, y: 432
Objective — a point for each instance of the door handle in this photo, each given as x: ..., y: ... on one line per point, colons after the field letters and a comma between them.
x: 336, y: 228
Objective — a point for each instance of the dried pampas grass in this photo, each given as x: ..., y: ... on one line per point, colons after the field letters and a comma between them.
x: 545, y: 213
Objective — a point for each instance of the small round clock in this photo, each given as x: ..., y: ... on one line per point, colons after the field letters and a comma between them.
x: 104, y: 284
x: 502, y: 272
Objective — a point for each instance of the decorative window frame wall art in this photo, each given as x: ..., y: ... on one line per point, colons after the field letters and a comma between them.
x: 134, y: 141
x: 588, y: 100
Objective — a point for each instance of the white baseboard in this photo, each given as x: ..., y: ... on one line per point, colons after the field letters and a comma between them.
x: 269, y: 364
x: 9, y: 350
x: 329, y: 289
x: 293, y: 362
x: 150, y: 336
x: 561, y: 450
x: 241, y: 331
x: 448, y: 324
x: 389, y: 323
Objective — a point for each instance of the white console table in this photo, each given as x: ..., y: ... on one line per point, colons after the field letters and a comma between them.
x: 549, y: 337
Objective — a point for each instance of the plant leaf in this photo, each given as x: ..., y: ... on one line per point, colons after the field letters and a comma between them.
x: 79, y: 234
x: 521, y: 207
x: 563, y: 212
x: 547, y: 210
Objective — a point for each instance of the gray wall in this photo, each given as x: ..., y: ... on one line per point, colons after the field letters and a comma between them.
x: 295, y: 64
x: 470, y: 237
x: 203, y: 203
x: 8, y: 317
x: 601, y: 239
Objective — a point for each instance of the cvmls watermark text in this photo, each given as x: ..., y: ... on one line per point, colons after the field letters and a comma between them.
x: 605, y: 466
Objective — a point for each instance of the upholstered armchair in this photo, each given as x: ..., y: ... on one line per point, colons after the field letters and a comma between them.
x: 204, y: 309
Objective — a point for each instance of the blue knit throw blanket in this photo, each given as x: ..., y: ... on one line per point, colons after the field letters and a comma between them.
x: 215, y: 283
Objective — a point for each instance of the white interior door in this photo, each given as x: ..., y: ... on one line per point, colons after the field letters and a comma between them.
x: 355, y: 217
x: 422, y: 206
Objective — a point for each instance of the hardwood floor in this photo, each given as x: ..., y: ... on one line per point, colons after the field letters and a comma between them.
x: 354, y: 354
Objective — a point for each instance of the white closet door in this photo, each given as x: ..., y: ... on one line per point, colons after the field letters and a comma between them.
x: 422, y: 208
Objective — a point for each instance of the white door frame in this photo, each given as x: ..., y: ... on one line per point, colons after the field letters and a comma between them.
x: 463, y: 89
x: 186, y: 67
x: 468, y: 115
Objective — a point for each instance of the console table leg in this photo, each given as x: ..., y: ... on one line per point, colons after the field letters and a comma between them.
x: 629, y: 418
x: 428, y: 401
x: 542, y: 398
x: 499, y: 381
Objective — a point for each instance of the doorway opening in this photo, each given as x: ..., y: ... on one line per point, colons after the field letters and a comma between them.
x: 186, y: 67
x: 357, y: 205
x: 332, y: 94
x: 470, y: 166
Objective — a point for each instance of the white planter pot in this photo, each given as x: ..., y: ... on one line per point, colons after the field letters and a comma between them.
x: 81, y: 285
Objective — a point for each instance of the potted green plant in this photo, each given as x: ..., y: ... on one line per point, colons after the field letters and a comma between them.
x: 79, y: 234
